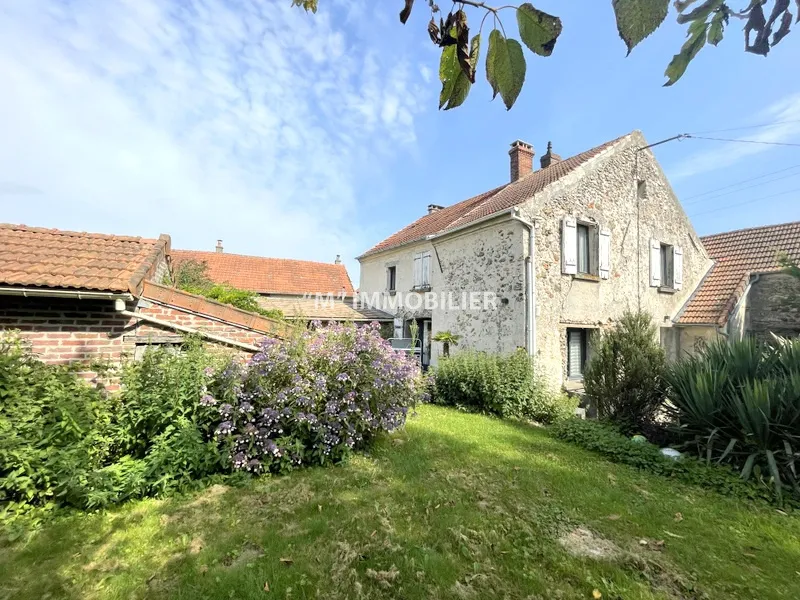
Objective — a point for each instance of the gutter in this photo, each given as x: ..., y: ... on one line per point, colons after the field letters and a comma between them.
x: 50, y: 293
x: 530, y: 285
x: 184, y: 329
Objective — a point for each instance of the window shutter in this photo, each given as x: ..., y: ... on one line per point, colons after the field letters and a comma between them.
x: 569, y: 246
x: 426, y: 269
x: 605, y: 253
x: 655, y: 263
x: 417, y: 270
x: 677, y: 266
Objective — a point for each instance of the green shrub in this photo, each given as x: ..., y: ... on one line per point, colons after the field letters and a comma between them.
x: 496, y: 384
x: 606, y: 440
x: 624, y: 374
x: 739, y: 403
x: 53, y: 429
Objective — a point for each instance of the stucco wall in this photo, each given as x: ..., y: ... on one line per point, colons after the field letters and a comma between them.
x: 696, y: 337
x: 604, y: 191
x: 774, y: 306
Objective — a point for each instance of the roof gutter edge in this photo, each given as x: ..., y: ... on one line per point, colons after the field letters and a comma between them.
x: 28, y: 292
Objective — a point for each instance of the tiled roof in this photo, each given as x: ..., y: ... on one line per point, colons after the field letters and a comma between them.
x: 229, y: 314
x: 737, y: 254
x: 270, y: 275
x: 488, y: 203
x: 337, y: 309
x: 35, y: 257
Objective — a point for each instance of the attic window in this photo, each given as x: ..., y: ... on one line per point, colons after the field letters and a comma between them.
x: 641, y: 189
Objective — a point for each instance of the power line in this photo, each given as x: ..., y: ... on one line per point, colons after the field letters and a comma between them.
x: 740, y: 189
x: 699, y: 137
x: 727, y: 206
x: 747, y: 127
x: 725, y: 187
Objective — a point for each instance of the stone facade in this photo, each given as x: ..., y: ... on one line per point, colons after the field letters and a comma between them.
x: 621, y: 190
x: 773, y: 306
x: 607, y: 192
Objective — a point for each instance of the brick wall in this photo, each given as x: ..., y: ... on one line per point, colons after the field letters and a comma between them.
x: 774, y: 306
x: 62, y: 331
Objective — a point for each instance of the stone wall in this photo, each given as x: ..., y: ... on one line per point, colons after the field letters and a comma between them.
x: 605, y: 191
x: 774, y: 306
x: 487, y: 259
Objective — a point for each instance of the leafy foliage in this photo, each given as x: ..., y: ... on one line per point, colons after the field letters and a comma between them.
x: 624, y: 374
x: 607, y: 441
x: 51, y: 429
x: 500, y: 385
x: 539, y: 31
x: 192, y: 276
x: 314, y: 398
x: 447, y: 339
x: 739, y: 404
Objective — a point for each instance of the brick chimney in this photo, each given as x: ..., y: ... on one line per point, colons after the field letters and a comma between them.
x: 521, y: 154
x: 432, y: 208
x: 338, y: 260
x: 550, y: 158
x: 219, y: 245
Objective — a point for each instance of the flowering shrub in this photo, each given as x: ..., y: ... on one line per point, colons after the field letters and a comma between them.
x: 312, y: 399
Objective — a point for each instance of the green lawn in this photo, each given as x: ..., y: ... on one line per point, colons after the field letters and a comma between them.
x: 456, y: 506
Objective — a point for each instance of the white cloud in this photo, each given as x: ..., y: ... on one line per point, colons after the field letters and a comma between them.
x: 247, y: 121
x: 784, y: 114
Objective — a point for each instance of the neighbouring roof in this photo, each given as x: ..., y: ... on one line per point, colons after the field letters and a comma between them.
x: 737, y: 255
x: 270, y: 275
x: 36, y: 257
x: 488, y: 203
x: 216, y: 310
x: 324, y: 309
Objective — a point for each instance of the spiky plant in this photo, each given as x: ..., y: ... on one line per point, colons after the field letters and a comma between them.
x: 446, y: 338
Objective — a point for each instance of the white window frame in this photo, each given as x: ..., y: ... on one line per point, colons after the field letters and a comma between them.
x: 598, y: 249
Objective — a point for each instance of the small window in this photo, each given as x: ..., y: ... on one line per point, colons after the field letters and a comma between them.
x: 667, y: 262
x: 577, y: 349
x: 391, y: 278
x: 641, y: 189
x: 584, y: 262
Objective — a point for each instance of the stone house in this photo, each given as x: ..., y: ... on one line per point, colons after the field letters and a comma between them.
x: 300, y: 289
x: 746, y: 293
x: 562, y: 250
x: 95, y: 298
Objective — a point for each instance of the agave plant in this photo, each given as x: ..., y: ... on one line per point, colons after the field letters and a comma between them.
x: 740, y: 403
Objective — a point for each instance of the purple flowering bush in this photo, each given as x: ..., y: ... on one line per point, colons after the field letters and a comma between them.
x: 312, y: 399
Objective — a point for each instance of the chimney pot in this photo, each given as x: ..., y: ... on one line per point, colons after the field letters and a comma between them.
x: 550, y: 157
x: 521, y: 154
x: 338, y: 260
x: 219, y: 245
x: 432, y: 208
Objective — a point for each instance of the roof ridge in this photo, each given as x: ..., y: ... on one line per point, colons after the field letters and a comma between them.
x: 300, y: 260
x: 70, y: 233
x: 757, y: 227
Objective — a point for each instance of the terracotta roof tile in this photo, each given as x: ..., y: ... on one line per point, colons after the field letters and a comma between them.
x: 737, y: 254
x: 488, y: 203
x: 337, y: 309
x: 36, y: 257
x: 270, y: 275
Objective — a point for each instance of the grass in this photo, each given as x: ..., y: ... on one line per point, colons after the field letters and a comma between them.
x: 456, y: 506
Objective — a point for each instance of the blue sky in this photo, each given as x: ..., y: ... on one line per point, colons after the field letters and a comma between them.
x: 307, y: 136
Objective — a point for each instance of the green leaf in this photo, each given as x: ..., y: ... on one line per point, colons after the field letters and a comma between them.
x: 455, y: 83
x: 505, y: 68
x: 538, y: 30
x: 701, y: 12
x: 776, y: 476
x: 748, y: 466
x: 717, y: 28
x: 697, y: 39
x: 636, y: 19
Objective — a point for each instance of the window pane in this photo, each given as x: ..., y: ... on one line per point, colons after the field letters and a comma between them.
x: 583, y: 249
x: 576, y: 352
